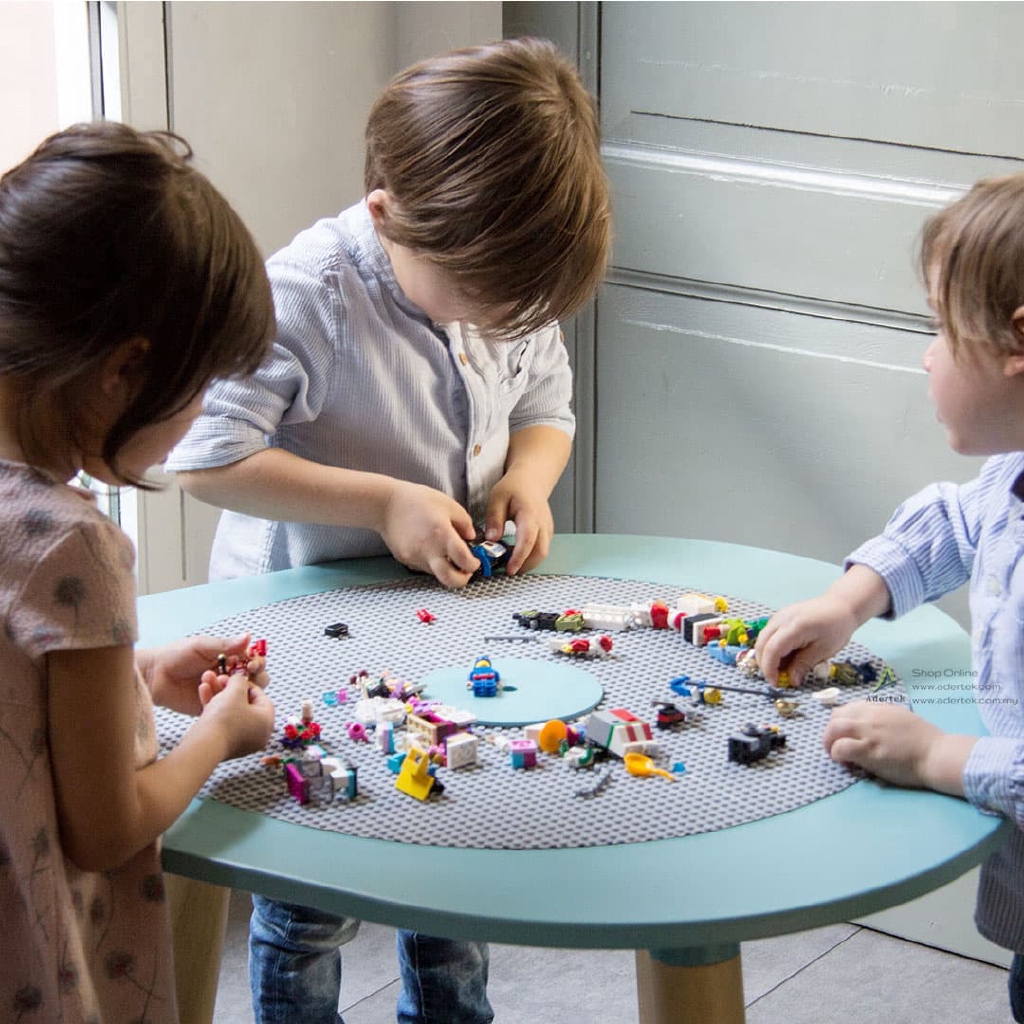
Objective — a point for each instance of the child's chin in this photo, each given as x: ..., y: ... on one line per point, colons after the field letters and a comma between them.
x: 963, y: 446
x: 957, y: 444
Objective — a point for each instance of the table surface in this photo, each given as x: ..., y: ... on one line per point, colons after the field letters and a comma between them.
x: 859, y: 851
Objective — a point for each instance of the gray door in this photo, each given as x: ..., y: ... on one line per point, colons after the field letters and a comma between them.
x: 758, y: 345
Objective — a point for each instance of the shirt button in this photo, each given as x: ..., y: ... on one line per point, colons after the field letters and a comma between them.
x: 476, y: 449
x: 463, y: 358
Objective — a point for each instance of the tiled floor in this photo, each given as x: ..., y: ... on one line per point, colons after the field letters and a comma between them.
x: 843, y: 974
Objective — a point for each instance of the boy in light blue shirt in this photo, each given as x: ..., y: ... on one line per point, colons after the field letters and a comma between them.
x: 972, y: 258
x: 418, y: 390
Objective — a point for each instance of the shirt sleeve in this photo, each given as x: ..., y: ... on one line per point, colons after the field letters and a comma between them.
x: 81, y: 593
x: 547, y: 400
x: 241, y: 416
x: 994, y: 776
x: 927, y: 548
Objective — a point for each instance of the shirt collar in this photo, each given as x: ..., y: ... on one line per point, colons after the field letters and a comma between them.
x: 1018, y: 487
x: 369, y: 253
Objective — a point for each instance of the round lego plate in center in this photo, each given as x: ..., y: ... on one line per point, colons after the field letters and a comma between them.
x: 531, y: 691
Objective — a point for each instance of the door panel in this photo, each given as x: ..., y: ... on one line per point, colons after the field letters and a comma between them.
x: 772, y: 166
x: 739, y: 423
x: 893, y: 72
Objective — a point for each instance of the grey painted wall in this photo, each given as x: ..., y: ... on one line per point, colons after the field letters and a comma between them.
x: 757, y: 359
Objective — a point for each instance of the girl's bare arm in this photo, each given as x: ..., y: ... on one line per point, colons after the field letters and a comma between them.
x: 108, y: 809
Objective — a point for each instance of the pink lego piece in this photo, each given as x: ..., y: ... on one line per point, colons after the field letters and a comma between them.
x: 297, y: 785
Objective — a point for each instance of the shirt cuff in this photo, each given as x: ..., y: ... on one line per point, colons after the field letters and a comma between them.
x: 897, y: 568
x: 989, y: 782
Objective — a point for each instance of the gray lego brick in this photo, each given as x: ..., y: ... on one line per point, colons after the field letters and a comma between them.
x: 494, y: 805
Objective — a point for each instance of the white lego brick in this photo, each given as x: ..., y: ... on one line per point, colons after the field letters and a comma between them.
x: 461, y: 750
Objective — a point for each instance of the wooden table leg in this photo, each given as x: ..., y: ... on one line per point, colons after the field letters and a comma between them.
x: 199, y: 917
x: 690, y: 986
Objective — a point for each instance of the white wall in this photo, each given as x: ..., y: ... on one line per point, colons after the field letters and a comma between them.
x: 44, y: 73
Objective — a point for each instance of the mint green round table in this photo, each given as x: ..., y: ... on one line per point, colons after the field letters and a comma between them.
x: 859, y: 851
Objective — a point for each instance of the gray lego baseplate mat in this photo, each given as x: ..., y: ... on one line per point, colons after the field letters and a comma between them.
x: 492, y: 804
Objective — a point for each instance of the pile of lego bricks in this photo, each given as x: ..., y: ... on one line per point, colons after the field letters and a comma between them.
x: 491, y: 803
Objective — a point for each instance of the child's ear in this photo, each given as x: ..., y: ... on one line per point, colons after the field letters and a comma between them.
x: 1014, y: 365
x: 379, y: 204
x: 124, y: 369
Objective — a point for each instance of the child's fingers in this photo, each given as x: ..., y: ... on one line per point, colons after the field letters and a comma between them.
x: 235, y: 645
x: 261, y: 708
x: 458, y: 555
x: 259, y: 700
x: 450, y: 575
x: 209, y: 647
x: 234, y: 689
x: 767, y: 652
x: 494, y: 523
x: 462, y: 522
x: 848, y: 750
x: 527, y: 534
x: 843, y: 723
x: 454, y: 563
x: 216, y: 682
x: 256, y: 669
x: 786, y: 649
x: 537, y: 548
x: 799, y: 665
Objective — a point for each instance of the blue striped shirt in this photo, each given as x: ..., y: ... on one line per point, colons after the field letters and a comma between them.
x: 940, y: 538
x: 360, y: 378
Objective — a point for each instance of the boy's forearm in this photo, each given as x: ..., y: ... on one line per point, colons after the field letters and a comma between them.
x: 275, y: 484
x: 864, y: 591
x: 543, y: 451
x: 943, y: 769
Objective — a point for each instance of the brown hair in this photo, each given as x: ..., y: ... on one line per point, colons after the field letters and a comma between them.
x: 972, y: 259
x: 108, y: 234
x: 492, y: 157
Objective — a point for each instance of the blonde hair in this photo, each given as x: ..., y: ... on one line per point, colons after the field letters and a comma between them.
x: 492, y: 157
x: 972, y: 259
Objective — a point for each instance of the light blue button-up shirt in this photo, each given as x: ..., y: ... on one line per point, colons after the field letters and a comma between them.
x: 935, y: 541
x: 360, y: 378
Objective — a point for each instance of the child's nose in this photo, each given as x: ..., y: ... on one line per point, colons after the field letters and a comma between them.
x: 926, y: 359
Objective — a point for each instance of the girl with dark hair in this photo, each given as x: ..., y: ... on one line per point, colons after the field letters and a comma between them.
x: 126, y: 283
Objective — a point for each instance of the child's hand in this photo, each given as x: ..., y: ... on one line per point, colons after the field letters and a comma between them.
x: 425, y: 529
x: 240, y: 710
x: 898, y: 746
x: 174, y: 672
x: 799, y: 636
x: 517, y: 497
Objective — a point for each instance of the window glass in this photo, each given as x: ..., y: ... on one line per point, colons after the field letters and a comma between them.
x: 47, y: 54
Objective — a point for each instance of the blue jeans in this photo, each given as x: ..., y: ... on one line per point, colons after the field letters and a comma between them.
x: 1016, y: 986
x: 295, y: 970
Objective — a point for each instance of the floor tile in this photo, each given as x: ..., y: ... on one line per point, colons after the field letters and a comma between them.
x: 872, y: 978
x: 768, y: 963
